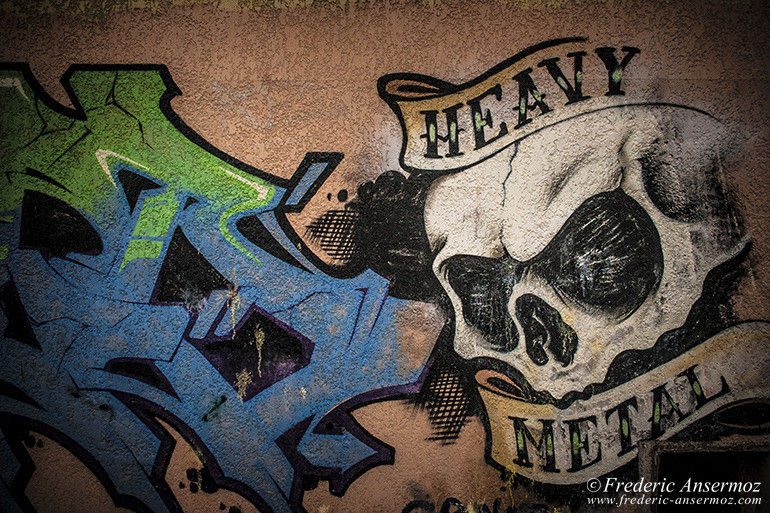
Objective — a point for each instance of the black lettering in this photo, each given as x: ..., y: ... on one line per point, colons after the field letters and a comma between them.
x: 433, y: 137
x: 579, y: 444
x: 526, y: 89
x: 658, y: 415
x: 544, y: 445
x: 481, y: 120
x: 615, y: 70
x: 624, y: 424
x: 574, y: 92
x: 697, y: 389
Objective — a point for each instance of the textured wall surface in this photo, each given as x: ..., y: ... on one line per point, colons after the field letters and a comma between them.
x: 500, y: 256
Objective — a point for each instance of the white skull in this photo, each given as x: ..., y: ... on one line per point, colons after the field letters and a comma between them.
x: 581, y: 241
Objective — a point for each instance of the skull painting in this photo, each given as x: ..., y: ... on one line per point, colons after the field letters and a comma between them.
x: 562, y: 251
x: 588, y: 251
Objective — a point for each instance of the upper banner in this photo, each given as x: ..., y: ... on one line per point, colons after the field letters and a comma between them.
x: 447, y: 127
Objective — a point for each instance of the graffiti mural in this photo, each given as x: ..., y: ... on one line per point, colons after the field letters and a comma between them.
x: 589, y: 269
x: 152, y: 294
x: 169, y: 327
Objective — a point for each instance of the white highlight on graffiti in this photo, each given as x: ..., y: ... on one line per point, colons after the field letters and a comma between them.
x: 101, y: 156
x: 262, y: 189
x: 15, y: 83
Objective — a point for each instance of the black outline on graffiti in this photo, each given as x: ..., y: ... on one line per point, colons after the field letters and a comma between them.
x: 27, y: 466
x: 147, y: 411
x: 341, y: 419
x: 331, y: 160
x: 172, y: 91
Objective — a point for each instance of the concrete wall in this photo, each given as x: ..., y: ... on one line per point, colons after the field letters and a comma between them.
x: 502, y: 256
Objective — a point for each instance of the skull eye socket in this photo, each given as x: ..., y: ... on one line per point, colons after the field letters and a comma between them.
x: 606, y: 257
x: 484, y: 286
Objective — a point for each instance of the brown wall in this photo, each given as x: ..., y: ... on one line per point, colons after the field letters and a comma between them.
x: 266, y: 84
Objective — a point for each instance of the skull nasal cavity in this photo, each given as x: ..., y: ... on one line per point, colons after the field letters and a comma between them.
x: 544, y: 329
x: 607, y: 257
x: 484, y: 286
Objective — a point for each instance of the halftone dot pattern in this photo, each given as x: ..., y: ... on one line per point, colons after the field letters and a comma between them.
x: 448, y: 406
x: 335, y: 233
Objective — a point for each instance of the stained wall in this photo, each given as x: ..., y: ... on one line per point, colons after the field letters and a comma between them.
x: 395, y: 256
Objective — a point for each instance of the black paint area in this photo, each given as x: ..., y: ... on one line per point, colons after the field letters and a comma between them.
x: 133, y: 185
x: 19, y: 325
x: 186, y: 276
x: 484, y: 286
x: 257, y: 354
x: 383, y: 229
x: 334, y: 231
x: 391, y: 233
x: 201, y: 479
x: 606, y: 258
x: 143, y: 370
x: 711, y: 313
x: 685, y: 193
x: 544, y: 328
x: 55, y: 228
x: 256, y: 233
x: 10, y: 390
x: 41, y: 176
x: 449, y: 393
x: 750, y: 416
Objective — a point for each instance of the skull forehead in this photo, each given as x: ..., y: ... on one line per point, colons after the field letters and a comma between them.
x: 463, y: 211
x: 527, y: 192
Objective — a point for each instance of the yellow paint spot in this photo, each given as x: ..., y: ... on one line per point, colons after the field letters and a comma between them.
x: 243, y: 380
x: 235, y: 303
x: 259, y: 341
